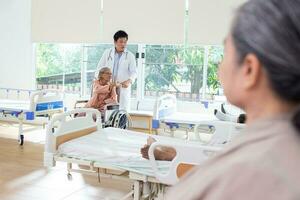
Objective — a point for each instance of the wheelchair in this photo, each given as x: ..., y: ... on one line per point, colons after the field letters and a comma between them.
x: 112, y: 117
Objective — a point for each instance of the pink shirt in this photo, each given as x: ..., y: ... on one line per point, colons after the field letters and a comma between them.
x: 101, y: 96
x: 262, y: 164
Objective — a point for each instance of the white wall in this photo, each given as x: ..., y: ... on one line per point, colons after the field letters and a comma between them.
x: 16, y: 52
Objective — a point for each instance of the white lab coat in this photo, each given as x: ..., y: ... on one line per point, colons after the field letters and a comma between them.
x: 127, y: 70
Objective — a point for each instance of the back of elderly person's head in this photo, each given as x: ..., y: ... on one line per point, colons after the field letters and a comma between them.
x: 270, y: 29
x: 103, y: 71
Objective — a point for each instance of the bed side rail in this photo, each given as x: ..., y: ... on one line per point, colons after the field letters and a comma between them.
x: 223, y: 131
x: 184, y: 160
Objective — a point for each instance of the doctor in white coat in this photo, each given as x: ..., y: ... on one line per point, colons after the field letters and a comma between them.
x: 123, y: 66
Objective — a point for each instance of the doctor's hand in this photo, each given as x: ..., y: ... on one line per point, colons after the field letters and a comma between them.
x: 117, y: 84
x: 126, y: 84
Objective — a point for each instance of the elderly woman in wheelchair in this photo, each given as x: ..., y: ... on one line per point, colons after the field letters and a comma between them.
x: 104, y: 92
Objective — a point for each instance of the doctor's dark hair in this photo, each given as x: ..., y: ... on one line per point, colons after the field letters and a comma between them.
x: 270, y: 29
x: 120, y: 34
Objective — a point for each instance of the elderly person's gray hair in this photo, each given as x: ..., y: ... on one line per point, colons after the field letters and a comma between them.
x: 270, y: 29
x: 103, y: 71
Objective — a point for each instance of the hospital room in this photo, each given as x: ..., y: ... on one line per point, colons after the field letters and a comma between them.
x: 149, y: 100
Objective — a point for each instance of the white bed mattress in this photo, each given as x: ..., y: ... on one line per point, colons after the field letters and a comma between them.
x: 14, y: 105
x: 115, y: 147
x: 188, y: 118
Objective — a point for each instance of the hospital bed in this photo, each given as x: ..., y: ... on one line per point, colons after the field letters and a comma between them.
x: 41, y: 103
x: 167, y: 116
x: 115, y: 153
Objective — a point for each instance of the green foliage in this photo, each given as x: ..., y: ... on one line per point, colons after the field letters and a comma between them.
x: 169, y: 65
x: 193, y: 59
x: 72, y: 58
x: 48, y: 60
x: 161, y: 71
x: 54, y: 59
x: 94, y: 53
x: 160, y: 77
x: 214, y: 58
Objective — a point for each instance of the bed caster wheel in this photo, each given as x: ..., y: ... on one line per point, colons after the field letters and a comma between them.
x: 21, y: 140
x: 69, y: 176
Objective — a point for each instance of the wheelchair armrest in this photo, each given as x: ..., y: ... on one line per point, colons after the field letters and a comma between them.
x: 78, y: 102
x: 112, y: 106
x: 82, y: 101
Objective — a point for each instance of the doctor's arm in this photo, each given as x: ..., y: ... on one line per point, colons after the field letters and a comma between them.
x: 113, y: 97
x: 132, y: 68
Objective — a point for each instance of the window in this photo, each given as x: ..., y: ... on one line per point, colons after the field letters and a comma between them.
x: 190, y: 72
x: 91, y: 57
x: 181, y: 70
x: 61, y: 66
x: 58, y: 66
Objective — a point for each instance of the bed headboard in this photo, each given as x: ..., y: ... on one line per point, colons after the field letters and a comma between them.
x: 164, y: 106
x: 64, y: 127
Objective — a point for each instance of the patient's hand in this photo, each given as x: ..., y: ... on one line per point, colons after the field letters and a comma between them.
x: 111, y: 85
x: 160, y: 153
x: 145, y: 149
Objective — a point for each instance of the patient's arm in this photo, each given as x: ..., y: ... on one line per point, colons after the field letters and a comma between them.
x: 113, y: 96
x: 97, y: 90
x: 100, y: 89
x: 160, y: 153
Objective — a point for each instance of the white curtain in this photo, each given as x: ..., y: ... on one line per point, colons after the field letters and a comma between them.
x: 70, y: 21
x: 146, y: 21
x: 81, y: 21
x: 209, y: 21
